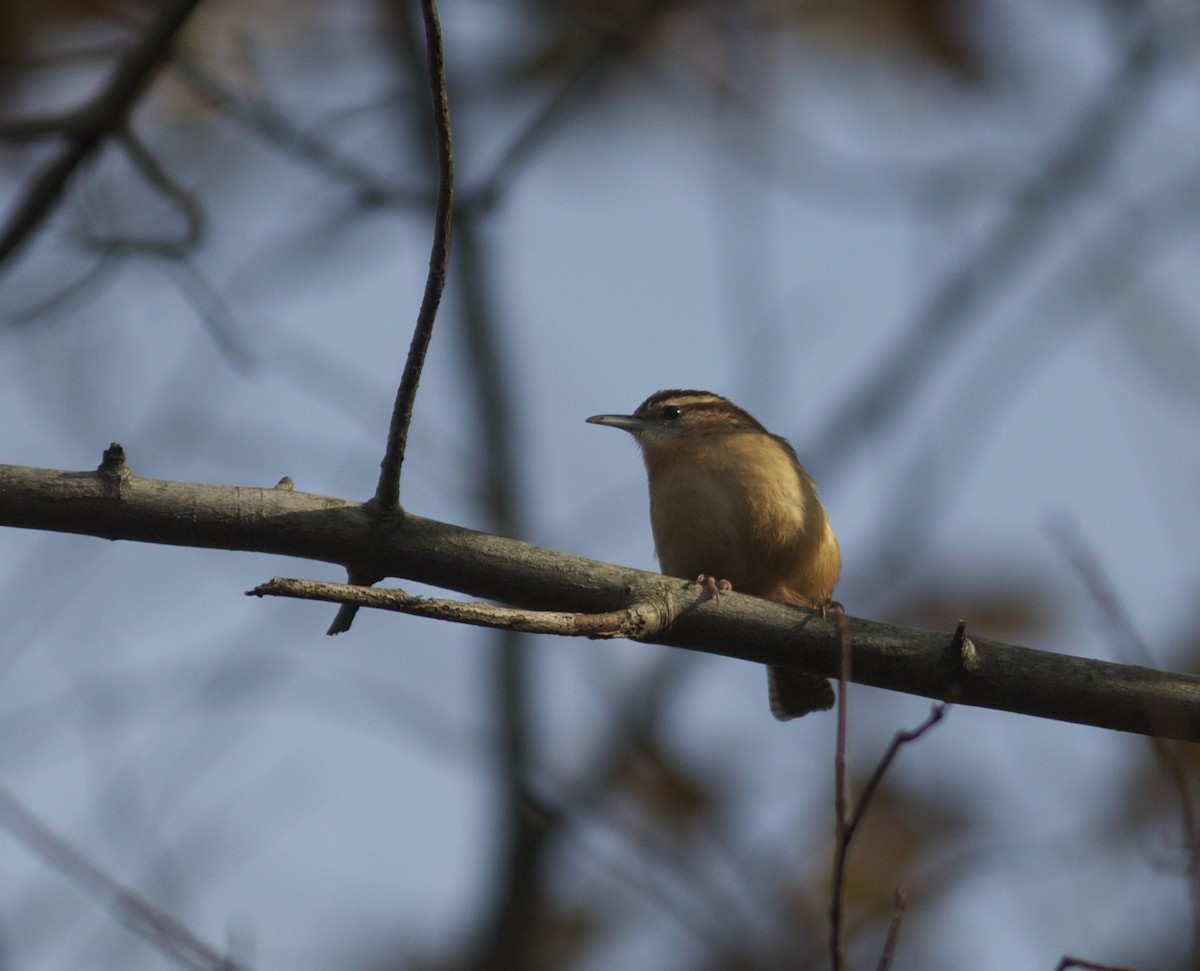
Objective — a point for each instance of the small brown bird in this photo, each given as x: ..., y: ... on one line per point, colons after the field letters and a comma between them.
x: 729, y: 501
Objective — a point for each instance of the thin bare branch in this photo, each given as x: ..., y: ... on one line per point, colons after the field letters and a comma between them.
x: 281, y: 133
x: 213, y: 311
x: 637, y: 621
x: 893, y: 935
x: 88, y: 127
x: 70, y: 295
x: 847, y: 826
x: 160, y: 179
x: 901, y: 738
x: 841, y: 823
x: 604, y: 50
x: 387, y: 493
x: 158, y: 927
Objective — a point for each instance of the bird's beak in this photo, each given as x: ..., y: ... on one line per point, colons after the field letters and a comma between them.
x: 631, y: 423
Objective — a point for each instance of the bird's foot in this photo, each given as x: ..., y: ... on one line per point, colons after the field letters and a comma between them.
x: 715, y: 587
x: 828, y: 607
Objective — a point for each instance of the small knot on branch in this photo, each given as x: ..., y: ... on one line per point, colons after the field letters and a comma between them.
x: 963, y: 649
x: 657, y: 605
x: 961, y: 659
x: 113, y: 470
x: 113, y: 459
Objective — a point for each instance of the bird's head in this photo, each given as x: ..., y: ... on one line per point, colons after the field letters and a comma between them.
x: 673, y: 418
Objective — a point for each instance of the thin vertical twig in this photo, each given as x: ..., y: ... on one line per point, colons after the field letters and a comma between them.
x: 893, y: 935
x: 841, y: 824
x: 846, y: 823
x: 387, y: 493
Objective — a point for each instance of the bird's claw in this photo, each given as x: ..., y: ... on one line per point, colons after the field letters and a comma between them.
x: 715, y: 587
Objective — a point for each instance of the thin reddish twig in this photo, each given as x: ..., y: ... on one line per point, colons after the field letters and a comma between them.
x: 893, y: 935
x: 846, y: 824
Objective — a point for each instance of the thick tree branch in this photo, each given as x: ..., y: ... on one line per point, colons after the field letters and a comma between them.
x: 115, y: 504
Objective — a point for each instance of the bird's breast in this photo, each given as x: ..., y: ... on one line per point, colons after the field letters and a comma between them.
x: 737, y: 507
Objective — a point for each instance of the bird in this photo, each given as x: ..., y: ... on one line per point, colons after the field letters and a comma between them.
x: 732, y: 507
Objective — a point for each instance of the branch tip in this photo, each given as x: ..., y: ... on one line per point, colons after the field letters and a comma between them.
x: 889, y: 947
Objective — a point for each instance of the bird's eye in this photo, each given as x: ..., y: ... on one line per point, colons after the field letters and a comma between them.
x: 671, y: 413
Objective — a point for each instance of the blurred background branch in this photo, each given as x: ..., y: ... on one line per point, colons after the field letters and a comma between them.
x: 86, y: 127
